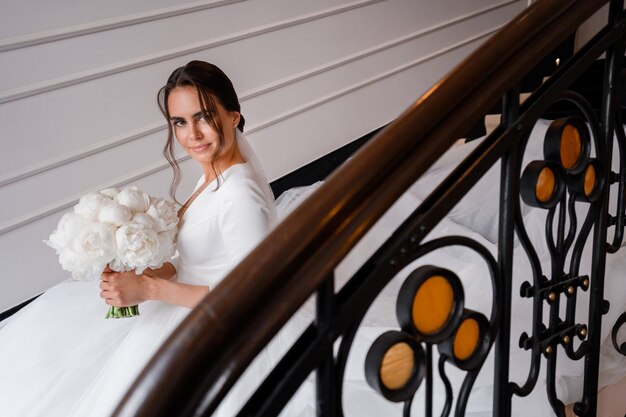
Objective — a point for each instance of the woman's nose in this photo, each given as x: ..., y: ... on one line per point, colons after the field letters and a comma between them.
x: 194, y: 131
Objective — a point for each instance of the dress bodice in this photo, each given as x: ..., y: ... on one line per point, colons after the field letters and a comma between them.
x: 221, y: 226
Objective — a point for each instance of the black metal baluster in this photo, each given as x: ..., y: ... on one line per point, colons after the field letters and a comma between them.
x: 325, y: 374
x: 509, y: 191
x: 597, y: 305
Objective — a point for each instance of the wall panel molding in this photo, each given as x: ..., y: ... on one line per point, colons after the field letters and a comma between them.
x: 85, y: 152
x: 66, y: 203
x: 50, y: 164
x: 374, y: 50
x: 139, y: 174
x: 105, y: 71
x: 340, y: 93
x: 25, y: 41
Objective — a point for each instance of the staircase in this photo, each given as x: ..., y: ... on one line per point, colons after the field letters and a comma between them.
x: 201, y: 361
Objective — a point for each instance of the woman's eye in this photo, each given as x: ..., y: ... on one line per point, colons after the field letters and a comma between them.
x: 179, y: 123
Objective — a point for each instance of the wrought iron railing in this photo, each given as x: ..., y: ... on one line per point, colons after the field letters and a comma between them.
x: 199, y: 363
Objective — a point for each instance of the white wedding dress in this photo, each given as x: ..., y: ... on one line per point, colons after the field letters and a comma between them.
x: 59, y: 357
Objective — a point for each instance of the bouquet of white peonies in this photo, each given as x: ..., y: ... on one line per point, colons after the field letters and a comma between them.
x: 125, y: 229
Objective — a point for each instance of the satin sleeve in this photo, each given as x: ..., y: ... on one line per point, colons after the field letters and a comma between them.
x: 244, y: 219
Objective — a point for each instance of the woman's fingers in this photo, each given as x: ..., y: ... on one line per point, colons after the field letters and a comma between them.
x: 110, y: 294
x: 121, y: 289
x: 113, y: 298
x: 111, y: 277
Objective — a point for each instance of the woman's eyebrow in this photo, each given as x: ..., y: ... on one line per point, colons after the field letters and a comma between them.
x: 197, y: 115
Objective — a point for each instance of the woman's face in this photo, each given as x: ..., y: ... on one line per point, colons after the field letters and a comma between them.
x: 195, y: 134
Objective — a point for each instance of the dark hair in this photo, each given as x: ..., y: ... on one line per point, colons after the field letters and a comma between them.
x: 211, y: 84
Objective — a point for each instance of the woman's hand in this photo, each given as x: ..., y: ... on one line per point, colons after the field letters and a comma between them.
x: 123, y: 289
x: 167, y: 271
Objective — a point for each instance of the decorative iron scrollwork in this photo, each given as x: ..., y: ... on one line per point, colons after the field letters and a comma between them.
x: 619, y: 219
x: 567, y: 166
x: 621, y: 348
x: 430, y: 310
x: 567, y: 175
x: 394, y: 366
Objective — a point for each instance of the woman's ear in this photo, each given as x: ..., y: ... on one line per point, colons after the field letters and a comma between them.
x: 236, y: 118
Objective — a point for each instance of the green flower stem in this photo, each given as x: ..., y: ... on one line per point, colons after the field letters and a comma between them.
x: 122, y: 312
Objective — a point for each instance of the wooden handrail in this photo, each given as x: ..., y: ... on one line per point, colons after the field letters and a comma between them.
x: 218, y: 339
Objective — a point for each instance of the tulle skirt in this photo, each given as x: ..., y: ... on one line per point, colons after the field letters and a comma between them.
x: 60, y: 357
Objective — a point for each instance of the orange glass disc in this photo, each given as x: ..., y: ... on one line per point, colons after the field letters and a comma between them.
x: 466, y: 339
x: 545, y: 185
x: 571, y: 147
x: 590, y: 180
x: 397, y: 366
x: 432, y: 304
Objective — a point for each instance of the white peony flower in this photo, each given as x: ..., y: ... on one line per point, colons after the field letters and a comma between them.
x: 163, y: 213
x: 137, y: 247
x: 137, y: 201
x: 144, y: 219
x: 71, y: 262
x: 167, y: 247
x: 125, y: 229
x: 84, y: 271
x: 66, y: 231
x: 88, y: 254
x: 110, y: 192
x: 117, y: 265
x: 114, y: 213
x: 172, y: 233
x: 89, y: 206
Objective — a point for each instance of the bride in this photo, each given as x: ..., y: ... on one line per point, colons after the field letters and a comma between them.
x: 58, y: 356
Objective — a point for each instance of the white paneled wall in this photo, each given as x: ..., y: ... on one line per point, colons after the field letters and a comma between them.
x: 592, y: 26
x: 79, y: 79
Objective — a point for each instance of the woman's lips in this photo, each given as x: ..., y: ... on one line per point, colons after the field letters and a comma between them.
x: 199, y: 148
